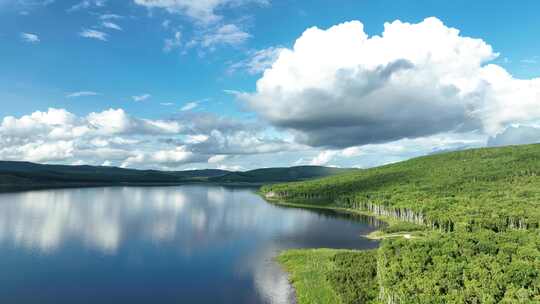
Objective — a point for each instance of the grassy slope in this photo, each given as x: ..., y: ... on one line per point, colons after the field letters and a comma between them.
x: 483, y: 208
x: 328, y: 276
x: 308, y: 270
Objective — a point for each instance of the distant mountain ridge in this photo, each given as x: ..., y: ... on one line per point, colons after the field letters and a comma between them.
x: 14, y: 174
x: 273, y: 175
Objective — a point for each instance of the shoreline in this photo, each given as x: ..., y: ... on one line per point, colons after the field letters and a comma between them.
x: 374, y: 235
x: 8, y: 188
x: 308, y: 269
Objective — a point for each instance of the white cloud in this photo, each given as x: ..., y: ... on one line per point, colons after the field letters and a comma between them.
x: 60, y: 136
x: 352, y: 152
x: 82, y: 94
x: 110, y: 16
x: 190, y: 106
x: 61, y: 124
x: 94, y: 34
x: 257, y: 61
x: 27, y: 3
x: 323, y: 158
x: 173, y: 43
x: 86, y: 4
x: 112, y: 135
x: 371, y: 155
x: 111, y: 25
x: 233, y: 168
x: 45, y: 151
x: 228, y: 34
x: 142, y: 97
x: 516, y: 135
x: 169, y: 158
x: 217, y: 159
x: 203, y: 11
x: 167, y: 104
x: 196, y: 139
x: 340, y: 88
x: 30, y: 38
x: 119, y: 122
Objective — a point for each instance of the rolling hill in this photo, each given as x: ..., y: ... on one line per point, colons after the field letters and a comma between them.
x: 471, y: 220
x: 15, y: 175
x: 276, y: 175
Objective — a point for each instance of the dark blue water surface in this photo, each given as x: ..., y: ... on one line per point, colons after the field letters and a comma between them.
x: 187, y: 244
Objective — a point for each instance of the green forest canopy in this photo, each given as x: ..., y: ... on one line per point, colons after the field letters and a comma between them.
x: 483, y: 210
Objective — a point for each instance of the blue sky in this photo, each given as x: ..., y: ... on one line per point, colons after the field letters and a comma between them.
x: 151, y: 59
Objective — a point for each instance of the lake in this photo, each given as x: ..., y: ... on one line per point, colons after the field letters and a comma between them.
x: 185, y: 244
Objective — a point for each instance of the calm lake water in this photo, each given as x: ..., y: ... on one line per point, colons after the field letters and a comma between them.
x: 187, y: 244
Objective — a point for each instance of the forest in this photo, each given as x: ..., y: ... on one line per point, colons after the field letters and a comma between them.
x: 480, y: 214
x: 15, y: 175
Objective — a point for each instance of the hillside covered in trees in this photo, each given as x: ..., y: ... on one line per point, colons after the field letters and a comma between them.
x: 26, y: 175
x: 473, y: 220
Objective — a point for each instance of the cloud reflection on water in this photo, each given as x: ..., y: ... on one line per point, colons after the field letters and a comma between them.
x: 192, y: 224
x: 100, y: 217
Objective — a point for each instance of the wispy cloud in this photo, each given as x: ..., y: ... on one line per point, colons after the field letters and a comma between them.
x: 143, y: 97
x: 31, y: 3
x: 167, y: 104
x: 30, y: 38
x: 228, y: 34
x: 532, y: 60
x: 94, y: 34
x: 202, y: 11
x: 86, y: 4
x: 166, y: 23
x: 172, y: 43
x: 257, y: 61
x: 110, y: 16
x: 190, y: 106
x: 111, y: 25
x: 82, y: 94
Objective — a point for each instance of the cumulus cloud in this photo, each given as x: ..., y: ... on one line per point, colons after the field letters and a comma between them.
x: 371, y: 155
x: 323, y: 158
x: 117, y: 138
x: 58, y: 135
x: 516, y: 135
x: 30, y: 38
x: 203, y: 11
x: 94, y: 34
x: 170, y: 158
x: 119, y: 122
x: 340, y: 88
x: 226, y: 136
